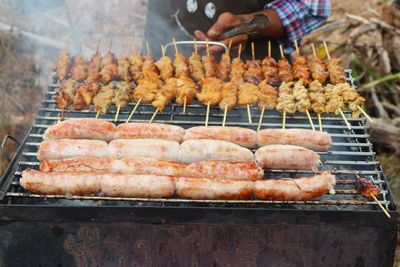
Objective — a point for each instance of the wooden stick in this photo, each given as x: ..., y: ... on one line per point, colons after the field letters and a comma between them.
x: 320, y: 122
x: 195, y: 46
x: 253, y: 55
x: 261, y: 119
x: 282, y: 54
x: 163, y: 50
x: 345, y: 120
x: 240, y: 50
x: 284, y: 120
x: 184, y: 105
x: 269, y: 48
x: 310, y: 120
x: 313, y: 50
x: 380, y: 205
x: 133, y: 111
x: 327, y: 51
x: 97, y: 114
x: 365, y: 113
x: 297, y: 47
x: 249, y: 113
x: 207, y: 113
x: 154, y: 115
x: 208, y: 48
x: 148, y: 48
x: 225, y: 112
x: 175, y: 46
x: 116, y: 114
x: 229, y: 45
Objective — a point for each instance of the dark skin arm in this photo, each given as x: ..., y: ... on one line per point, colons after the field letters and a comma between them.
x: 227, y: 21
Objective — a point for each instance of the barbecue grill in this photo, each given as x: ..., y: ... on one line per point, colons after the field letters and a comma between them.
x: 340, y: 229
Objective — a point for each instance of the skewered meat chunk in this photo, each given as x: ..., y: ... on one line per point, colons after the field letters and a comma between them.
x: 149, y: 64
x: 317, y: 97
x: 146, y: 91
x: 135, y: 69
x: 303, y: 102
x: 270, y: 70
x: 79, y: 68
x: 224, y: 67
x: 286, y: 98
x: 196, y: 67
x: 229, y: 96
x: 103, y: 100
x: 237, y: 71
x: 304, y: 188
x: 248, y: 94
x: 336, y: 71
x: 319, y: 70
x: 94, y: 68
x: 334, y: 99
x: 285, y: 70
x: 367, y: 188
x: 211, y: 91
x: 164, y: 65
x: 62, y: 65
x: 210, y: 66
x: 268, y: 95
x: 109, y: 58
x: 186, y: 90
x: 122, y: 94
x: 84, y: 96
x: 350, y: 97
x: 301, y: 71
x: 181, y: 67
x: 66, y: 93
x: 253, y: 74
x: 123, y: 69
x: 165, y: 94
x: 109, y: 68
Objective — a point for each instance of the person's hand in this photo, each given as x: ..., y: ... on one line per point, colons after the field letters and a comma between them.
x: 225, y: 22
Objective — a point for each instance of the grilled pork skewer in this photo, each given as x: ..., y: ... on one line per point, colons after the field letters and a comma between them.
x: 103, y: 100
x: 224, y: 66
x: 109, y: 68
x: 318, y: 68
x: 209, y: 63
x: 195, y: 65
x: 286, y: 100
x: 253, y: 73
x: 237, y: 68
x: 62, y: 65
x: 122, y: 96
x: 136, y: 64
x: 285, y: 71
x: 66, y: 93
x: 145, y: 165
x: 165, y: 66
x: 94, y: 67
x: 79, y: 69
x: 124, y: 69
x: 304, y: 188
x: 84, y: 96
x: 270, y: 68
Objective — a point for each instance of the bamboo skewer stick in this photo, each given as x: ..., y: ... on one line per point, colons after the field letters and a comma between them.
x: 176, y: 52
x: 249, y: 113
x: 253, y: 56
x: 310, y: 120
x: 365, y: 114
x: 297, y: 47
x: 148, y: 48
x: 208, y: 48
x: 195, y: 45
x: 154, y: 115
x: 225, y: 112
x: 97, y: 114
x: 229, y: 46
x: 269, y: 48
x: 284, y: 120
x: 327, y: 50
x: 345, y: 120
x: 319, y: 122
x: 281, y: 50
x: 207, y: 113
x: 380, y: 205
x: 175, y: 46
x: 261, y: 119
x: 313, y: 49
x: 133, y: 111
x: 116, y: 114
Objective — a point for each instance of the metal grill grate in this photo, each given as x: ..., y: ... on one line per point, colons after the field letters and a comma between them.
x: 351, y: 154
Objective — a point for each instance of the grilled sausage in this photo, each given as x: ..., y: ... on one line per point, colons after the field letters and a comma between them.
x: 88, y: 128
x: 304, y: 188
x: 149, y: 186
x: 237, y: 135
x: 68, y: 148
x: 208, y: 188
x: 314, y: 140
x: 153, y: 148
x: 199, y: 150
x: 149, y: 130
x: 286, y: 157
x: 60, y: 183
x: 81, y: 164
x: 228, y: 170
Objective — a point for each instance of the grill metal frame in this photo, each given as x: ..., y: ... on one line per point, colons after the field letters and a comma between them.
x: 354, y: 143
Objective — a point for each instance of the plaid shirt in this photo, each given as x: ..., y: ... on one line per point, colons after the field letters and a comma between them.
x: 299, y: 17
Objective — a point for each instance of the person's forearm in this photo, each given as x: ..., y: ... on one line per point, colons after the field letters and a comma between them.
x: 274, y: 30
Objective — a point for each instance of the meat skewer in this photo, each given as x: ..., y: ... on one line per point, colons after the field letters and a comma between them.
x: 84, y: 96
x: 103, y: 100
x: 62, y: 65
x: 66, y: 94
x: 335, y: 72
x: 302, y: 73
x: 268, y: 94
x: 209, y: 63
x: 253, y: 73
x: 79, y: 67
x: 136, y: 64
x: 95, y: 66
x: 195, y: 64
x: 285, y: 71
x: 367, y: 189
x: 230, y: 89
x: 224, y: 66
x: 109, y: 68
x: 237, y: 68
x: 164, y: 65
x: 123, y: 67
x: 122, y: 96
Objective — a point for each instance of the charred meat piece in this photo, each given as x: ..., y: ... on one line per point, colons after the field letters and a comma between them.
x: 367, y: 188
x: 253, y: 74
